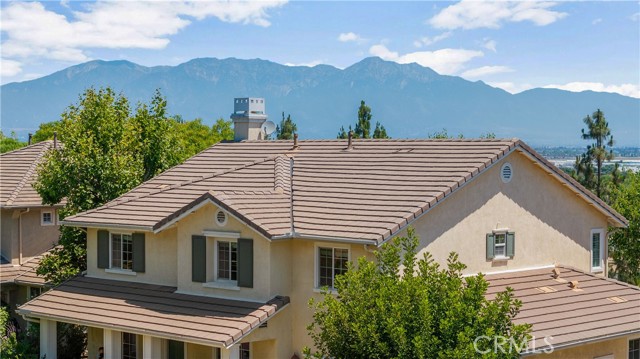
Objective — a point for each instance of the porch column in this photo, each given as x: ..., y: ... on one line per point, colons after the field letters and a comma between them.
x: 151, y: 347
x: 231, y: 353
x: 112, y: 346
x: 48, y: 339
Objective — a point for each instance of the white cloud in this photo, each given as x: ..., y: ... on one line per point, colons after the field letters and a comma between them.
x: 426, y: 41
x: 443, y: 61
x: 469, y: 14
x: 486, y: 71
x: 9, y: 68
x: 349, y: 36
x: 635, y: 17
x: 511, y: 87
x: 596, y: 21
x: 306, y: 64
x: 630, y: 90
x: 490, y: 44
x: 32, y: 31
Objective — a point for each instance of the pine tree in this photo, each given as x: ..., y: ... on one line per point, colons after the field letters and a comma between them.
x: 598, y: 152
x: 380, y: 131
x: 286, y: 128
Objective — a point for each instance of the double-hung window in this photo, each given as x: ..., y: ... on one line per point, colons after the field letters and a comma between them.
x: 121, y: 251
x: 501, y: 245
x: 227, y: 253
x: 129, y: 346
x: 331, y: 262
x: 597, y: 250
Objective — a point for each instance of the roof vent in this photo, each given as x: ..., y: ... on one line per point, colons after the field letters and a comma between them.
x: 618, y: 299
x: 546, y: 289
x: 556, y: 273
x: 574, y: 285
x: 221, y: 218
x: 506, y: 172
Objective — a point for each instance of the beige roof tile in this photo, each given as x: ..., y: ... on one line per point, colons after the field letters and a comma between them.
x: 365, y: 193
x: 154, y: 309
x: 22, y: 274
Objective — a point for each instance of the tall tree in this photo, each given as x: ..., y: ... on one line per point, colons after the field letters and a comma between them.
x: 625, y: 242
x: 380, y: 131
x: 600, y: 151
x: 363, y: 126
x: 401, y: 307
x: 45, y: 131
x: 286, y: 128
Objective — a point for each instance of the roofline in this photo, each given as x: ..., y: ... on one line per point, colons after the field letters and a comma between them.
x: 324, y: 238
x: 106, y: 225
x: 2, y: 206
x: 576, y: 343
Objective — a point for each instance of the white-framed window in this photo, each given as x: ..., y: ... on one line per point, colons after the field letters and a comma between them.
x: 226, y: 260
x: 46, y: 218
x: 596, y: 241
x: 121, y: 250
x: 34, y: 292
x: 634, y: 348
x: 129, y: 346
x: 500, y: 245
x: 330, y: 262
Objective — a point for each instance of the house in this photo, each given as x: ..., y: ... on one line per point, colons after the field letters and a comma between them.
x: 217, y: 257
x: 28, y: 228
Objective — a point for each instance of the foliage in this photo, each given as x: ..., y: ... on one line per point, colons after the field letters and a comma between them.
x: 442, y: 135
x: 194, y: 136
x: 380, y: 131
x: 286, y: 128
x: 45, y: 131
x: 488, y: 136
x: 363, y: 126
x: 15, y: 344
x: 10, y: 143
x: 342, y: 134
x: 72, y: 340
x: 598, y: 152
x: 401, y: 307
x: 625, y: 242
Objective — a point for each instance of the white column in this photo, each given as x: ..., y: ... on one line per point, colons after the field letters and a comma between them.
x: 48, y: 339
x: 231, y: 353
x: 151, y: 347
x: 112, y: 345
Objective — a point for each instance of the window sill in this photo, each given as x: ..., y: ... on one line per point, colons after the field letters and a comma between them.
x: 222, y: 285
x: 320, y: 290
x: 500, y: 259
x: 597, y: 270
x: 120, y: 271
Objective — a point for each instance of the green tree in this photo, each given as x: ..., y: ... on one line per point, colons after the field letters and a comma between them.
x: 598, y: 152
x: 16, y: 344
x: 363, y: 126
x: 45, y: 131
x: 488, y: 136
x: 380, y: 131
x: 443, y: 135
x: 624, y: 243
x: 194, y: 136
x: 342, y: 134
x: 286, y: 128
x: 401, y: 307
x: 10, y: 143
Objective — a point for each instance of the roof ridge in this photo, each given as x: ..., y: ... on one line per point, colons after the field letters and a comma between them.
x: 409, y: 140
x: 28, y: 147
x: 45, y: 148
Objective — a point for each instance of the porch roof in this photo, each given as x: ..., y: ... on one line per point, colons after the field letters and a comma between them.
x: 152, y: 310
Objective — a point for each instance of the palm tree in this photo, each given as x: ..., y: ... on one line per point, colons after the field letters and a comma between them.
x: 598, y: 130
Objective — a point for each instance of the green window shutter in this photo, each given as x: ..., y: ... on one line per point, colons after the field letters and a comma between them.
x: 490, y: 245
x: 103, y: 249
x: 138, y: 252
x: 198, y: 259
x: 245, y: 262
x: 511, y: 243
x: 176, y: 350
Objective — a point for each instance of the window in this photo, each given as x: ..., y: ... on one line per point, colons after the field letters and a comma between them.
x: 597, y: 250
x: 501, y: 245
x: 47, y: 218
x: 121, y: 251
x: 331, y: 262
x: 634, y: 349
x: 34, y: 292
x: 227, y: 260
x: 245, y: 352
x: 129, y: 349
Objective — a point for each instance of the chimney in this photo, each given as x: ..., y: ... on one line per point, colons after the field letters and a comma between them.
x: 350, y: 141
x: 295, y: 141
x: 248, y: 116
x: 29, y: 143
x: 55, y: 139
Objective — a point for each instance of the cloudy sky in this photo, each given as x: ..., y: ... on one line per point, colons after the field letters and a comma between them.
x: 513, y: 45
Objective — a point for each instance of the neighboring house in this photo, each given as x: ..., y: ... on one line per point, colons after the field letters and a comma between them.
x: 28, y: 228
x: 218, y: 257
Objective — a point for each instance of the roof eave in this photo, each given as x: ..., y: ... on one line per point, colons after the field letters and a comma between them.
x: 88, y: 224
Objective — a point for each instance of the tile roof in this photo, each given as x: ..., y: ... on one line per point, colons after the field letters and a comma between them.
x: 152, y: 309
x: 319, y: 189
x: 570, y: 316
x: 22, y: 274
x: 18, y: 170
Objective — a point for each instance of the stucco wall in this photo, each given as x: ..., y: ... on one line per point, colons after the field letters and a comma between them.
x: 616, y: 347
x: 36, y: 238
x: 552, y: 224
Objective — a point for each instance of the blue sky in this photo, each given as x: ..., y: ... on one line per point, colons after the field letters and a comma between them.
x: 513, y: 45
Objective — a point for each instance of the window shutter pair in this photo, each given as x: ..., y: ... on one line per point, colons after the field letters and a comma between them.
x: 510, y: 245
x: 138, y: 240
x: 199, y: 260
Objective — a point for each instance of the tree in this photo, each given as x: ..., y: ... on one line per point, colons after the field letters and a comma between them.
x: 286, y: 128
x: 363, y: 126
x: 193, y: 136
x: 45, y: 131
x: 442, y: 135
x: 380, y: 131
x: 342, y: 134
x: 488, y: 136
x: 16, y: 344
x: 600, y: 151
x: 401, y: 307
x: 10, y: 143
x: 625, y: 242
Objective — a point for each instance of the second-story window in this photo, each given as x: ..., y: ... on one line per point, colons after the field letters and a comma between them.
x: 227, y: 260
x: 501, y: 245
x: 121, y: 251
x: 47, y: 218
x: 331, y: 263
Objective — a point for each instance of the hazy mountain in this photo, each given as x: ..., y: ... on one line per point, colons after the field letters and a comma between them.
x: 410, y: 100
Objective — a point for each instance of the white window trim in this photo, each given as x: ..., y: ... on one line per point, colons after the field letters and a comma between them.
x: 504, y: 257
x: 316, y: 264
x: 117, y: 270
x: 633, y: 337
x: 217, y: 282
x: 599, y: 268
x: 42, y: 222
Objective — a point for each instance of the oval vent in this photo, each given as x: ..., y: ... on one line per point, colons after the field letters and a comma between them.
x: 221, y: 218
x: 506, y: 172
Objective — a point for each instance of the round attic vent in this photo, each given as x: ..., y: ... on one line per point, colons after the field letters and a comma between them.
x: 221, y: 218
x: 506, y: 172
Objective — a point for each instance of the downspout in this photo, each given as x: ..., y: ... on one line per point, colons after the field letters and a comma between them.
x: 20, y: 234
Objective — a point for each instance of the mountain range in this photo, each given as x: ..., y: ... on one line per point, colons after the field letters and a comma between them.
x: 408, y: 99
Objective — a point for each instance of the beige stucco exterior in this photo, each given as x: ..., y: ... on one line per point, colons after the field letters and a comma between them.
x: 552, y: 225
x: 617, y: 348
x: 24, y: 225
